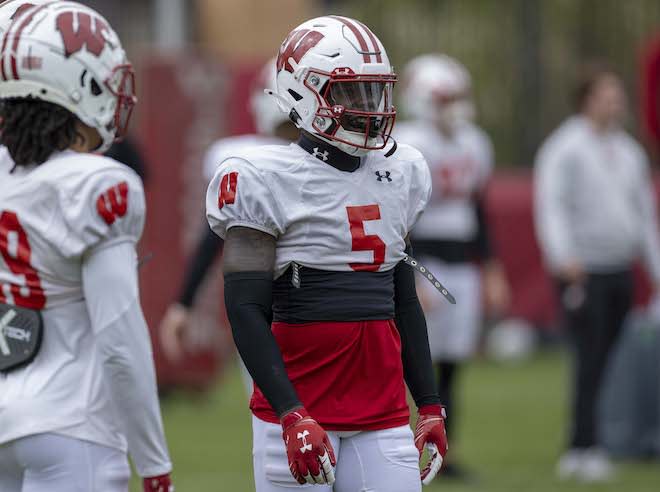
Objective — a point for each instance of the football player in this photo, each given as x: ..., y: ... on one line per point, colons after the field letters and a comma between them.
x: 77, y: 381
x: 315, y: 240
x: 452, y: 236
x: 273, y: 128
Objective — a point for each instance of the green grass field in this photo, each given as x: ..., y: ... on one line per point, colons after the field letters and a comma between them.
x: 510, y: 435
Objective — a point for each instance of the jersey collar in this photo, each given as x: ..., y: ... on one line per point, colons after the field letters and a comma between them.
x: 329, y: 154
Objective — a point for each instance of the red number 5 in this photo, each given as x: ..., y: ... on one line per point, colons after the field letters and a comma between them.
x: 365, y: 242
x: 16, y: 252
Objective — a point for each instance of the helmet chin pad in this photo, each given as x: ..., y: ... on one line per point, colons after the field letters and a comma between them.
x: 348, y: 148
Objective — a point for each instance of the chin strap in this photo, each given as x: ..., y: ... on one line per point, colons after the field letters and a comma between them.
x: 413, y: 263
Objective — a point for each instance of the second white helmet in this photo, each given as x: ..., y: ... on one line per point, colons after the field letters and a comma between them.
x: 334, y: 80
x: 437, y: 88
x: 265, y: 111
x: 67, y: 54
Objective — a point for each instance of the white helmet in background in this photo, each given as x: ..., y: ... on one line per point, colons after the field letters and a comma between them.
x: 334, y: 80
x: 437, y: 88
x: 265, y: 111
x: 67, y: 54
x: 11, y: 9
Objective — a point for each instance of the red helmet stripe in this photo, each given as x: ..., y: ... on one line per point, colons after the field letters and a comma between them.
x: 17, y: 38
x: 2, y: 61
x: 366, y: 57
x: 371, y: 35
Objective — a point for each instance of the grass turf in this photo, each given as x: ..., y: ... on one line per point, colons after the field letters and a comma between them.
x: 510, y: 434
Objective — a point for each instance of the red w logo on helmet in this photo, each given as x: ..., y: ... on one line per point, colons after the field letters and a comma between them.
x: 295, y: 46
x: 91, y: 33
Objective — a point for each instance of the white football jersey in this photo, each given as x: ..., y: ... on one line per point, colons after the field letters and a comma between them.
x: 460, y: 167
x: 229, y: 146
x: 51, y: 216
x: 322, y: 217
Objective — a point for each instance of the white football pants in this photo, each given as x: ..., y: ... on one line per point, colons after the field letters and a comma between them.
x: 370, y: 461
x: 454, y: 329
x: 54, y: 463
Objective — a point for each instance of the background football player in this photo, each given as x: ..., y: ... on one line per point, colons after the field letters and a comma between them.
x: 452, y: 235
x: 273, y: 128
x: 315, y: 234
x: 69, y: 222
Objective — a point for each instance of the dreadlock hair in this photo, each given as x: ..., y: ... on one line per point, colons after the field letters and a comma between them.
x: 32, y: 129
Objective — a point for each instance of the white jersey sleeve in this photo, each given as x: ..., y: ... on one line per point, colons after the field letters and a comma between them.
x: 240, y: 196
x: 111, y: 290
x: 420, y: 187
x: 101, y: 208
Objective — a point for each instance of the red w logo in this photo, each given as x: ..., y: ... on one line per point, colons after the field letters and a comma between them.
x: 91, y: 37
x: 228, y: 185
x: 113, y: 203
x: 295, y: 46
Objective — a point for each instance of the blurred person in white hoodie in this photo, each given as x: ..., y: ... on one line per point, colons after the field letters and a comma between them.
x: 595, y: 215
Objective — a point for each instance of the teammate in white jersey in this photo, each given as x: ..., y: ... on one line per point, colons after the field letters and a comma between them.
x: 71, y: 407
x: 452, y: 235
x: 315, y: 240
x: 273, y: 128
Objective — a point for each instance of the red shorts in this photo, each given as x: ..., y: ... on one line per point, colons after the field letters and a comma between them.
x: 349, y: 375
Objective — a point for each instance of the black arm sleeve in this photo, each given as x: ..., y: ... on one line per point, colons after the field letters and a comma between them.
x: 482, y: 245
x: 249, y: 298
x: 415, y: 352
x: 208, y: 248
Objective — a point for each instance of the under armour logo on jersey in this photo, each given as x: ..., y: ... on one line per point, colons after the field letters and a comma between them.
x: 303, y: 437
x: 383, y: 175
x: 320, y: 155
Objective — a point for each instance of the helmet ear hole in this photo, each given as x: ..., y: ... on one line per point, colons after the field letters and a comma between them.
x: 295, y: 95
x: 95, y: 88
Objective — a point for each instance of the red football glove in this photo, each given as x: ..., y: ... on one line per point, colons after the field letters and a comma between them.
x: 162, y: 483
x: 311, y: 457
x: 430, y: 432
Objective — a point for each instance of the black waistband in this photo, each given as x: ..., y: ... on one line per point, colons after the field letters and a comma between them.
x: 333, y: 296
x: 448, y: 251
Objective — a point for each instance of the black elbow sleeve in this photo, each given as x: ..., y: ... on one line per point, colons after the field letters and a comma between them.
x: 208, y: 248
x: 415, y: 352
x: 248, y: 299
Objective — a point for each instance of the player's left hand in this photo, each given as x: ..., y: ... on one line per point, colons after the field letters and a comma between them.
x: 162, y: 483
x: 430, y: 433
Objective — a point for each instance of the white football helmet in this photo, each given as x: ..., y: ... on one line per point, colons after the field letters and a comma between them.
x: 67, y: 54
x: 265, y: 111
x: 437, y: 88
x: 334, y: 80
x: 10, y: 9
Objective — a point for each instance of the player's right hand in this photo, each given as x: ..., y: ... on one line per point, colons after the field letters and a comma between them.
x: 162, y: 483
x: 308, y: 448
x: 171, y: 331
